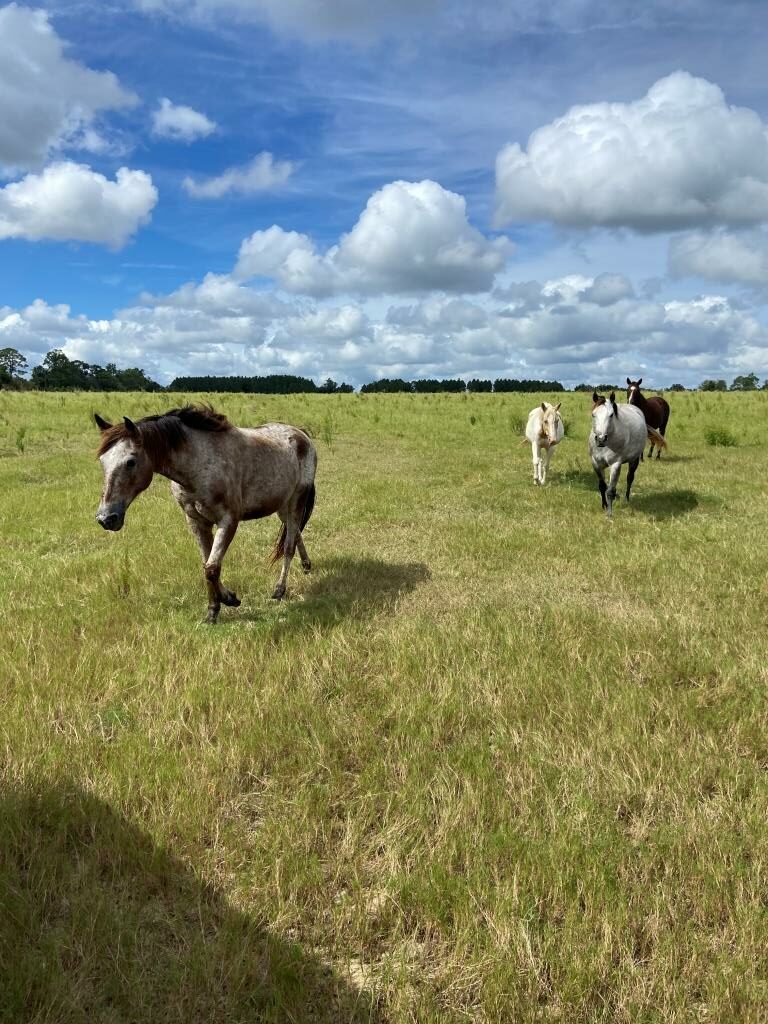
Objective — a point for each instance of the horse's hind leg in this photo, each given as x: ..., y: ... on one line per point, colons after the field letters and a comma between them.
x: 286, y: 547
x: 631, y: 474
x: 306, y: 565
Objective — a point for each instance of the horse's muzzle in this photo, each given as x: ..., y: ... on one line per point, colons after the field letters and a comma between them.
x: 112, y: 521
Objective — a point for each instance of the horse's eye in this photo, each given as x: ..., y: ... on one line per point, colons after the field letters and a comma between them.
x: 130, y: 464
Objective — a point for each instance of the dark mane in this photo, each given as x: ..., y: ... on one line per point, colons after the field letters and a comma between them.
x: 160, y: 435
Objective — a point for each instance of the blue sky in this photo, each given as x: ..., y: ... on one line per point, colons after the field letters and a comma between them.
x: 569, y: 190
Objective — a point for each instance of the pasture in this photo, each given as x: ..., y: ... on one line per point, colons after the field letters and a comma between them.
x: 497, y: 759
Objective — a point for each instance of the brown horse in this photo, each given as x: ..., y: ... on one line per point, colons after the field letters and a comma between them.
x: 655, y: 410
x: 220, y: 474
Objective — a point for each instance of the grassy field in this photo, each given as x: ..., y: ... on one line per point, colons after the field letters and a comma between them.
x: 496, y: 759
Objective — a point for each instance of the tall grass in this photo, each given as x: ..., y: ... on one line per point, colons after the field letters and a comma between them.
x: 495, y: 759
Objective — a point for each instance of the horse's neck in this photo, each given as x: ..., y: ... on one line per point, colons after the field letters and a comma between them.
x: 179, y: 466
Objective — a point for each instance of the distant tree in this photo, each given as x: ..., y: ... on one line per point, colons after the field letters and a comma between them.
x: 329, y: 388
x: 527, y: 385
x: 713, y: 385
x: 747, y: 382
x: 678, y: 387
x: 272, y: 384
x: 345, y: 389
x: 387, y: 386
x: 13, y: 366
x: 480, y: 385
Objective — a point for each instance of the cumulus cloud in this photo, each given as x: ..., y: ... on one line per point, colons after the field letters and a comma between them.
x: 411, y: 237
x: 47, y: 101
x: 721, y: 256
x: 183, y: 124
x: 680, y: 157
x: 261, y: 174
x: 70, y: 202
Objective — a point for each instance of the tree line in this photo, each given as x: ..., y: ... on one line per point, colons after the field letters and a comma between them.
x: 58, y: 372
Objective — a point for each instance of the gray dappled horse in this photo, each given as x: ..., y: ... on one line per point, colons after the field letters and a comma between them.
x: 220, y: 475
x: 617, y: 436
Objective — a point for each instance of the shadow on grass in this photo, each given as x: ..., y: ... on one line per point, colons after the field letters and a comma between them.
x: 101, y: 924
x: 353, y: 588
x: 665, y: 504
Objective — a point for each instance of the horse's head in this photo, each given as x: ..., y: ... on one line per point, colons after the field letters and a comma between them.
x: 633, y: 390
x: 603, y: 413
x: 127, y: 469
x: 550, y: 415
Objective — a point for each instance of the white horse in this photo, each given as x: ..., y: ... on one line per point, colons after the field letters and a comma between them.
x: 543, y: 430
x: 618, y: 436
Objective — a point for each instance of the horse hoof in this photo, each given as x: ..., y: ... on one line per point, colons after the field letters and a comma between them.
x: 230, y: 599
x: 278, y: 593
x: 211, y: 618
x: 307, y: 567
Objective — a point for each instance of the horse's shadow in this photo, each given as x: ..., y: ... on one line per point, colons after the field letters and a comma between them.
x: 665, y: 504
x: 100, y: 923
x: 344, y: 587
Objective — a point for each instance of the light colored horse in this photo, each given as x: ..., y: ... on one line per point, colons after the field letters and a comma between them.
x: 618, y: 435
x: 220, y: 475
x: 543, y: 430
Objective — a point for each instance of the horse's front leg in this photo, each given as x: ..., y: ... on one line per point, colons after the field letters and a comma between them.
x: 217, y: 595
x: 601, y: 485
x: 545, y: 463
x: 613, y: 481
x: 203, y: 534
x: 536, y: 453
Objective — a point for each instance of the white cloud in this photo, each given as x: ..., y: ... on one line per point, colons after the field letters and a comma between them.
x: 411, y: 237
x: 680, y: 157
x: 175, y: 121
x: 721, y: 256
x: 262, y: 173
x: 70, y: 202
x: 46, y: 100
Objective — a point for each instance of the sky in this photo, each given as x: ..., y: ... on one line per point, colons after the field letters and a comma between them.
x: 572, y: 190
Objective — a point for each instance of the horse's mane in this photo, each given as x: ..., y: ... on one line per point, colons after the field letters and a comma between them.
x: 160, y: 435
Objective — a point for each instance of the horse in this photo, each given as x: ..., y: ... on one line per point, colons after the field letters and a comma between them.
x: 220, y: 475
x: 617, y: 436
x: 655, y: 410
x: 544, y: 430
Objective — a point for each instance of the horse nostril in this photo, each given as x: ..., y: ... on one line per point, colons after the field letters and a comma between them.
x: 109, y: 522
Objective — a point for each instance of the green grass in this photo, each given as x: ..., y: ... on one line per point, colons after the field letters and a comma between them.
x: 496, y: 759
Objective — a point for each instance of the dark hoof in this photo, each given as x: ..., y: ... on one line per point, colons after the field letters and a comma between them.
x: 306, y: 566
x: 278, y: 593
x: 229, y: 599
x: 211, y: 617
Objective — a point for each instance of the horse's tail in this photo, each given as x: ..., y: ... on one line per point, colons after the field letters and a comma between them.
x: 309, y: 503
x: 656, y: 437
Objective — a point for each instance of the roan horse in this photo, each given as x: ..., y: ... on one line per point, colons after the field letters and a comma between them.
x: 655, y: 410
x: 544, y: 430
x: 220, y: 475
x: 617, y: 436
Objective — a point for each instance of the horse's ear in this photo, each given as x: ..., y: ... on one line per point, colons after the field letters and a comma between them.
x: 595, y: 396
x: 629, y: 383
x: 101, y: 423
x: 557, y: 407
x: 543, y: 406
x: 131, y: 427
x: 612, y: 398
x: 640, y: 382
